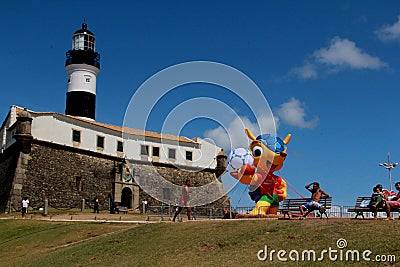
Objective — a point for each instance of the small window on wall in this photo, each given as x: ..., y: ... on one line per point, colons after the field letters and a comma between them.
x: 189, y: 155
x: 144, y: 150
x: 166, y: 193
x: 156, y: 151
x: 87, y: 78
x: 120, y: 146
x: 78, y: 183
x: 100, y: 141
x: 76, y: 136
x: 171, y: 153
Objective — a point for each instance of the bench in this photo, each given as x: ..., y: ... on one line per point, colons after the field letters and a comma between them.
x: 293, y: 204
x: 123, y: 209
x: 361, y: 206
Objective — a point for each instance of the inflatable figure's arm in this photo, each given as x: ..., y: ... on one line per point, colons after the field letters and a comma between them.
x: 281, y: 188
x: 246, y: 174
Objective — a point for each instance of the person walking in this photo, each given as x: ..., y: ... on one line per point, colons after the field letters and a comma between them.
x: 184, y: 200
x: 25, y: 205
x: 96, y: 205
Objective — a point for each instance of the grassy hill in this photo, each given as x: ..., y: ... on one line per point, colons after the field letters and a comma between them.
x: 197, y: 243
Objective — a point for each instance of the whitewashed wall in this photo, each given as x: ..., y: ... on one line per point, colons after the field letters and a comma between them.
x: 7, y: 140
x: 59, y: 130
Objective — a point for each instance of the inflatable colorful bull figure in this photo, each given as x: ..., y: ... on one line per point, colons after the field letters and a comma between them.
x: 255, y: 167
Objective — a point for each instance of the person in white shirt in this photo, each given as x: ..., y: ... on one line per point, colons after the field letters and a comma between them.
x: 25, y: 205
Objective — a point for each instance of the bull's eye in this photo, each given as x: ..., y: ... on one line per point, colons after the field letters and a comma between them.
x: 257, y: 151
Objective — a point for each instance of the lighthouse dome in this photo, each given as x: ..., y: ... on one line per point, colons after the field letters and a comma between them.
x: 84, y: 30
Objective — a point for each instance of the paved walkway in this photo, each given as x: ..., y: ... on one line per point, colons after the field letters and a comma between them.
x: 84, y: 216
x: 104, y: 217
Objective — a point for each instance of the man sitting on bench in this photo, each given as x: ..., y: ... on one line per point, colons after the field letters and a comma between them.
x: 313, y: 204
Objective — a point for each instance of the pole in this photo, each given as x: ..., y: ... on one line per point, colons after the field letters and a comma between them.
x: 230, y: 210
x: 389, y: 166
x: 46, y: 207
x: 82, y: 204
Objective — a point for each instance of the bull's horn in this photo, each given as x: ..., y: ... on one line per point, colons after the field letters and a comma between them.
x: 250, y: 135
x: 287, y: 139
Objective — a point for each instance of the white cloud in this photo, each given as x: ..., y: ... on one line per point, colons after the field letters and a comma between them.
x: 340, y: 54
x: 307, y: 71
x: 234, y: 135
x: 389, y: 32
x: 345, y: 53
x: 293, y: 113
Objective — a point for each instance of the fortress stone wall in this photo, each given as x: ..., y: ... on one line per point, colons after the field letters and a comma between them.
x: 65, y: 175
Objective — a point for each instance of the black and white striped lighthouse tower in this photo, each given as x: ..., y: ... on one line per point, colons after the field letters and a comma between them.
x: 82, y: 66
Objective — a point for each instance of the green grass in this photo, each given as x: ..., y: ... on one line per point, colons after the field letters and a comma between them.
x: 207, y: 243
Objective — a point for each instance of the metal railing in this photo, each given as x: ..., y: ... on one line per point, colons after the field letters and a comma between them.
x: 195, y: 212
x: 213, y: 212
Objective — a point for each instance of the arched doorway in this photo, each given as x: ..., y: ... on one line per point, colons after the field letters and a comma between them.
x: 126, y: 198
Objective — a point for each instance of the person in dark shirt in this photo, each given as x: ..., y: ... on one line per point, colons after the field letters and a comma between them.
x: 378, y: 200
x: 96, y: 205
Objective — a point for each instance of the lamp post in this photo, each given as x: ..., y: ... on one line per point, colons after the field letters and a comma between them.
x: 388, y: 166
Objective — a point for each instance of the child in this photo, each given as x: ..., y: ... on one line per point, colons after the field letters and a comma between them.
x: 377, y: 201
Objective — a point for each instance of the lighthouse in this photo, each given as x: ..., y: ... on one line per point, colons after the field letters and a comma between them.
x: 82, y: 65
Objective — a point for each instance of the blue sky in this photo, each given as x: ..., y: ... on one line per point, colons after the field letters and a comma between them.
x: 329, y: 70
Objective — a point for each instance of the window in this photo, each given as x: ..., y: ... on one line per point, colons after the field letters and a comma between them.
x: 156, y: 151
x: 77, y: 42
x: 87, y: 80
x: 144, y: 150
x: 100, y: 141
x: 83, y: 42
x: 76, y: 136
x: 166, y: 193
x: 120, y: 146
x: 171, y: 153
x: 78, y: 183
x: 189, y: 155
